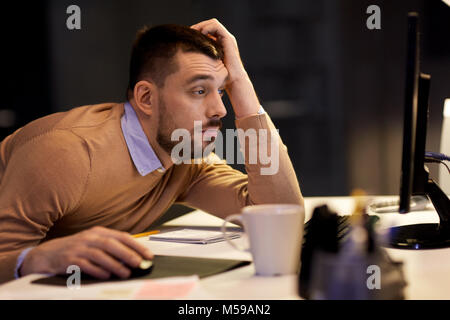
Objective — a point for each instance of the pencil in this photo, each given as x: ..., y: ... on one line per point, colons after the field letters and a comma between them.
x: 138, y: 235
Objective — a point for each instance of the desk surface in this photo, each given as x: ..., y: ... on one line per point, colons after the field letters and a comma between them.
x: 426, y: 271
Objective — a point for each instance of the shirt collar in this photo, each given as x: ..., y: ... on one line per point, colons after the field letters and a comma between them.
x: 144, y: 158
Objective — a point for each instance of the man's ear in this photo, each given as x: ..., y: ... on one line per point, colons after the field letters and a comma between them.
x: 145, y: 96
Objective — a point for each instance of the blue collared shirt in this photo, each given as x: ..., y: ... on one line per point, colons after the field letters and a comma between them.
x: 142, y: 154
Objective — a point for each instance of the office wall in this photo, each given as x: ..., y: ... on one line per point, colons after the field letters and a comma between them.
x: 374, y: 77
x: 333, y: 87
x: 24, y: 65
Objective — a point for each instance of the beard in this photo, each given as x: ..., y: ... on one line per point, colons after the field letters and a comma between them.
x: 166, y: 125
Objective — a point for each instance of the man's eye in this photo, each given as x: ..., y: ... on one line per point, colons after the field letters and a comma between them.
x: 221, y: 91
x: 199, y: 92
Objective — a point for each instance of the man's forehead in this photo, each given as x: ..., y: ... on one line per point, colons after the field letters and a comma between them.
x: 192, y: 64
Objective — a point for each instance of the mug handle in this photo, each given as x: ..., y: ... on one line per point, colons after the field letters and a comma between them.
x: 225, y: 235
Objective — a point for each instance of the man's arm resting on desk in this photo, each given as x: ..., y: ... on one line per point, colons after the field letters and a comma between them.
x: 97, y: 251
x: 50, y: 184
x: 43, y: 178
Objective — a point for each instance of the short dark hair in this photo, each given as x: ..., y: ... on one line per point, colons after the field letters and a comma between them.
x: 154, y: 49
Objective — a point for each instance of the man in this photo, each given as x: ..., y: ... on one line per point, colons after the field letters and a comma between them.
x: 75, y: 184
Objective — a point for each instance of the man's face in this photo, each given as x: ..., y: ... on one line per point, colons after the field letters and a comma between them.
x: 193, y: 93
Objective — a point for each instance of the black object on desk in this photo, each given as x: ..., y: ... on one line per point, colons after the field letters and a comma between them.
x: 335, y: 266
x: 163, y: 266
x: 322, y: 232
x: 144, y: 269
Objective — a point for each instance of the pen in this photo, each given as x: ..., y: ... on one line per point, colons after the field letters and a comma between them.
x: 138, y: 235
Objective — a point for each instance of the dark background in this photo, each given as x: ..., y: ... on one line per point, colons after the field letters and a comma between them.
x: 333, y: 87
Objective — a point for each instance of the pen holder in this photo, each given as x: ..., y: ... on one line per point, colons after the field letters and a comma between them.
x: 371, y: 277
x: 341, y: 259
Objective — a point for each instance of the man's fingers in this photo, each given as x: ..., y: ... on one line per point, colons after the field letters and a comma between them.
x: 135, y: 245
x: 112, y: 251
x: 122, y: 252
x: 199, y: 26
x: 212, y: 27
x: 106, y: 262
x: 129, y: 241
x: 232, y: 60
x: 89, y: 268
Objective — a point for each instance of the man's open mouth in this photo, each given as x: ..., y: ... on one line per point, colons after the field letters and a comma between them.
x: 210, y: 133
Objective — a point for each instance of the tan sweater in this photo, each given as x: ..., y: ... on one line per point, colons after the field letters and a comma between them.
x: 72, y: 170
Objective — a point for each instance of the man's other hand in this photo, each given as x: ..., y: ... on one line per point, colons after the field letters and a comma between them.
x: 239, y: 87
x: 232, y: 61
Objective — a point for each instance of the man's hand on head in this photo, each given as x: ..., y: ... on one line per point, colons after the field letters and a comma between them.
x: 98, y: 252
x: 232, y: 60
x: 239, y: 87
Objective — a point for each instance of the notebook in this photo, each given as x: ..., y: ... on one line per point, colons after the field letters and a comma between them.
x: 195, y: 236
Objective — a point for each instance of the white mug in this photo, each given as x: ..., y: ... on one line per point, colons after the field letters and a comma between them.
x: 275, y: 233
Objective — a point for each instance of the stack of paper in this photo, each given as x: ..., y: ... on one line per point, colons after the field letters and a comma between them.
x: 194, y: 236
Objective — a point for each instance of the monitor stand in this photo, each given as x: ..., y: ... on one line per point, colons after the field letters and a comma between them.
x: 426, y: 235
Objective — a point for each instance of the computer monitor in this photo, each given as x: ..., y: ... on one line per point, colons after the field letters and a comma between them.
x: 414, y: 174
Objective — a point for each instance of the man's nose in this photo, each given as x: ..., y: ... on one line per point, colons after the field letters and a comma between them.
x: 215, y: 107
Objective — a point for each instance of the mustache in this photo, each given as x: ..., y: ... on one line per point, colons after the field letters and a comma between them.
x: 214, y: 122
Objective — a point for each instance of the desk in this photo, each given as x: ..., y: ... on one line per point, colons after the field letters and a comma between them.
x: 426, y: 271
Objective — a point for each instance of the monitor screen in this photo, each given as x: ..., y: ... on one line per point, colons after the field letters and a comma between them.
x: 414, y: 178
x: 410, y: 112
